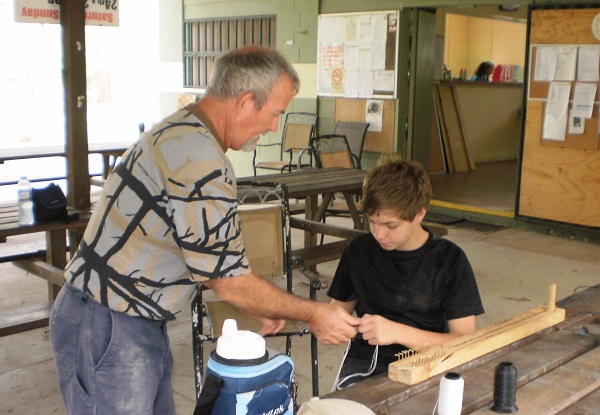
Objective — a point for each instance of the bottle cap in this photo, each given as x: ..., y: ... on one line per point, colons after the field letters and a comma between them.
x: 239, y: 344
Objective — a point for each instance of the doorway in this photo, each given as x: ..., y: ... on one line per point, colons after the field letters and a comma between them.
x: 490, y: 129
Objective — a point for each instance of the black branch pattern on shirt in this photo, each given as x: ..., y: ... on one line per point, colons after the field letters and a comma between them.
x: 215, y: 240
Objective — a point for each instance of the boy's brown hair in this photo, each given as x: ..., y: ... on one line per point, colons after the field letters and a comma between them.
x: 399, y: 185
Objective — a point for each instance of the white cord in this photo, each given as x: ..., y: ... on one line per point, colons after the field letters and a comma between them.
x: 435, y: 407
x: 338, y: 382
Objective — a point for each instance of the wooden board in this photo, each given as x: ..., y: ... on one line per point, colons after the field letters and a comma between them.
x: 535, y: 356
x: 443, y: 129
x: 24, y: 318
x: 566, y: 26
x: 587, y: 405
x: 557, y: 183
x: 533, y: 360
x: 430, y: 362
x: 457, y: 147
x: 558, y: 389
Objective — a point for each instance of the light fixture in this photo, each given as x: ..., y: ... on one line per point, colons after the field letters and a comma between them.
x: 509, y: 7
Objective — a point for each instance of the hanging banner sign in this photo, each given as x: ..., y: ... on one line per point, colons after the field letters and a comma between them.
x: 97, y: 12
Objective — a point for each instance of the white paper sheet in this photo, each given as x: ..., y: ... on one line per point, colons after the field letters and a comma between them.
x: 351, y: 84
x: 555, y: 127
x: 384, y: 81
x: 558, y: 98
x: 350, y: 57
x: 332, y: 30
x: 588, y: 64
x: 374, y: 115
x: 583, y: 99
x: 365, y: 83
x: 566, y: 59
x: 545, y: 63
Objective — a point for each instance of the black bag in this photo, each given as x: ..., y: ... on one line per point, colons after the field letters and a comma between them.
x: 49, y: 203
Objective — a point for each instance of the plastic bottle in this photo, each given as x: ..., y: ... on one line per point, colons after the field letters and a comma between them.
x: 24, y: 201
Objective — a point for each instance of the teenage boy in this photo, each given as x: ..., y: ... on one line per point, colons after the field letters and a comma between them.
x: 408, y: 287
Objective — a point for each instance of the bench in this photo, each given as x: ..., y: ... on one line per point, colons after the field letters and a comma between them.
x: 29, y: 257
x: 24, y: 318
x: 43, y: 257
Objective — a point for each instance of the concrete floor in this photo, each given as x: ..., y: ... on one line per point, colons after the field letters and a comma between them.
x: 514, y: 269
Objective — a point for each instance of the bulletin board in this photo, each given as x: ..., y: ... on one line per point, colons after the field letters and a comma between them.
x: 355, y: 109
x: 559, y: 178
x: 357, y: 55
x: 539, y: 90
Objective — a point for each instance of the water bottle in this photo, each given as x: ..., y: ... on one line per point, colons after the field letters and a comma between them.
x: 25, y: 202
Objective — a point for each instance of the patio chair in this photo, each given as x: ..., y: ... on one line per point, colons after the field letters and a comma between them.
x: 264, y: 220
x: 355, y: 133
x: 298, y: 129
x: 333, y: 150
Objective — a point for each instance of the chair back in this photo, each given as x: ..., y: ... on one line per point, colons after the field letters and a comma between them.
x: 262, y: 227
x: 264, y: 219
x: 298, y: 129
x: 355, y: 133
x: 332, y: 150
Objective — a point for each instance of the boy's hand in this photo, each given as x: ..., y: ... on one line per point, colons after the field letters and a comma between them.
x: 377, y: 330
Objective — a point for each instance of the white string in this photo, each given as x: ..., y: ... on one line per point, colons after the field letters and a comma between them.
x: 338, y: 382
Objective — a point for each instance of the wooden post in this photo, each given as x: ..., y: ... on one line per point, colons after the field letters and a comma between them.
x: 72, y: 21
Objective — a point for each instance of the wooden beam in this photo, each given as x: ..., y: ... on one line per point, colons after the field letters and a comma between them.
x: 42, y: 269
x: 72, y: 21
x: 325, y: 228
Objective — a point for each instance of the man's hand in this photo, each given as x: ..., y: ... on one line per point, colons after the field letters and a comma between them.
x: 270, y: 326
x: 332, y: 325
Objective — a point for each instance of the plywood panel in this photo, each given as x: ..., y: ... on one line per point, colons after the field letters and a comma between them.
x: 347, y: 109
x: 562, y: 26
x: 558, y: 183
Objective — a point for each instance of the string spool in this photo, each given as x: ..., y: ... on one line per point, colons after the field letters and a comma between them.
x: 505, y: 389
x: 451, y: 394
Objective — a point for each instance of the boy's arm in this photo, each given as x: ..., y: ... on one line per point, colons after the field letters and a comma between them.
x: 346, y: 305
x: 379, y: 330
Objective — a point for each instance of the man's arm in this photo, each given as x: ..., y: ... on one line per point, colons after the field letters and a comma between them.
x: 259, y: 298
x: 379, y: 330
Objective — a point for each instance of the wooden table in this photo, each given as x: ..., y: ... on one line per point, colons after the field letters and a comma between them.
x: 557, y: 372
x: 311, y: 184
x: 47, y: 261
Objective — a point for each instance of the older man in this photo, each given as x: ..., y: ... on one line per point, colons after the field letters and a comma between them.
x: 166, y: 221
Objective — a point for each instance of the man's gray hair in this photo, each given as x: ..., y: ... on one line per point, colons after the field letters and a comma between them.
x: 251, y: 69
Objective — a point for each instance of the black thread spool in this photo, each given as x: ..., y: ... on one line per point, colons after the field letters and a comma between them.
x: 505, y: 389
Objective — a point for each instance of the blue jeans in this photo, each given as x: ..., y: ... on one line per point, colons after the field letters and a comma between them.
x: 108, y: 362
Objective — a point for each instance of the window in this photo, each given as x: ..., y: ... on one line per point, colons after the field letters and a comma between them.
x: 204, y: 40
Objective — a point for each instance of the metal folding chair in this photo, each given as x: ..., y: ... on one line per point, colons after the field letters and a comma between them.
x: 355, y: 133
x: 298, y: 129
x: 264, y: 221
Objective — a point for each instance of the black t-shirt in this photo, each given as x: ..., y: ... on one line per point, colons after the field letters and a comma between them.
x: 423, y: 288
